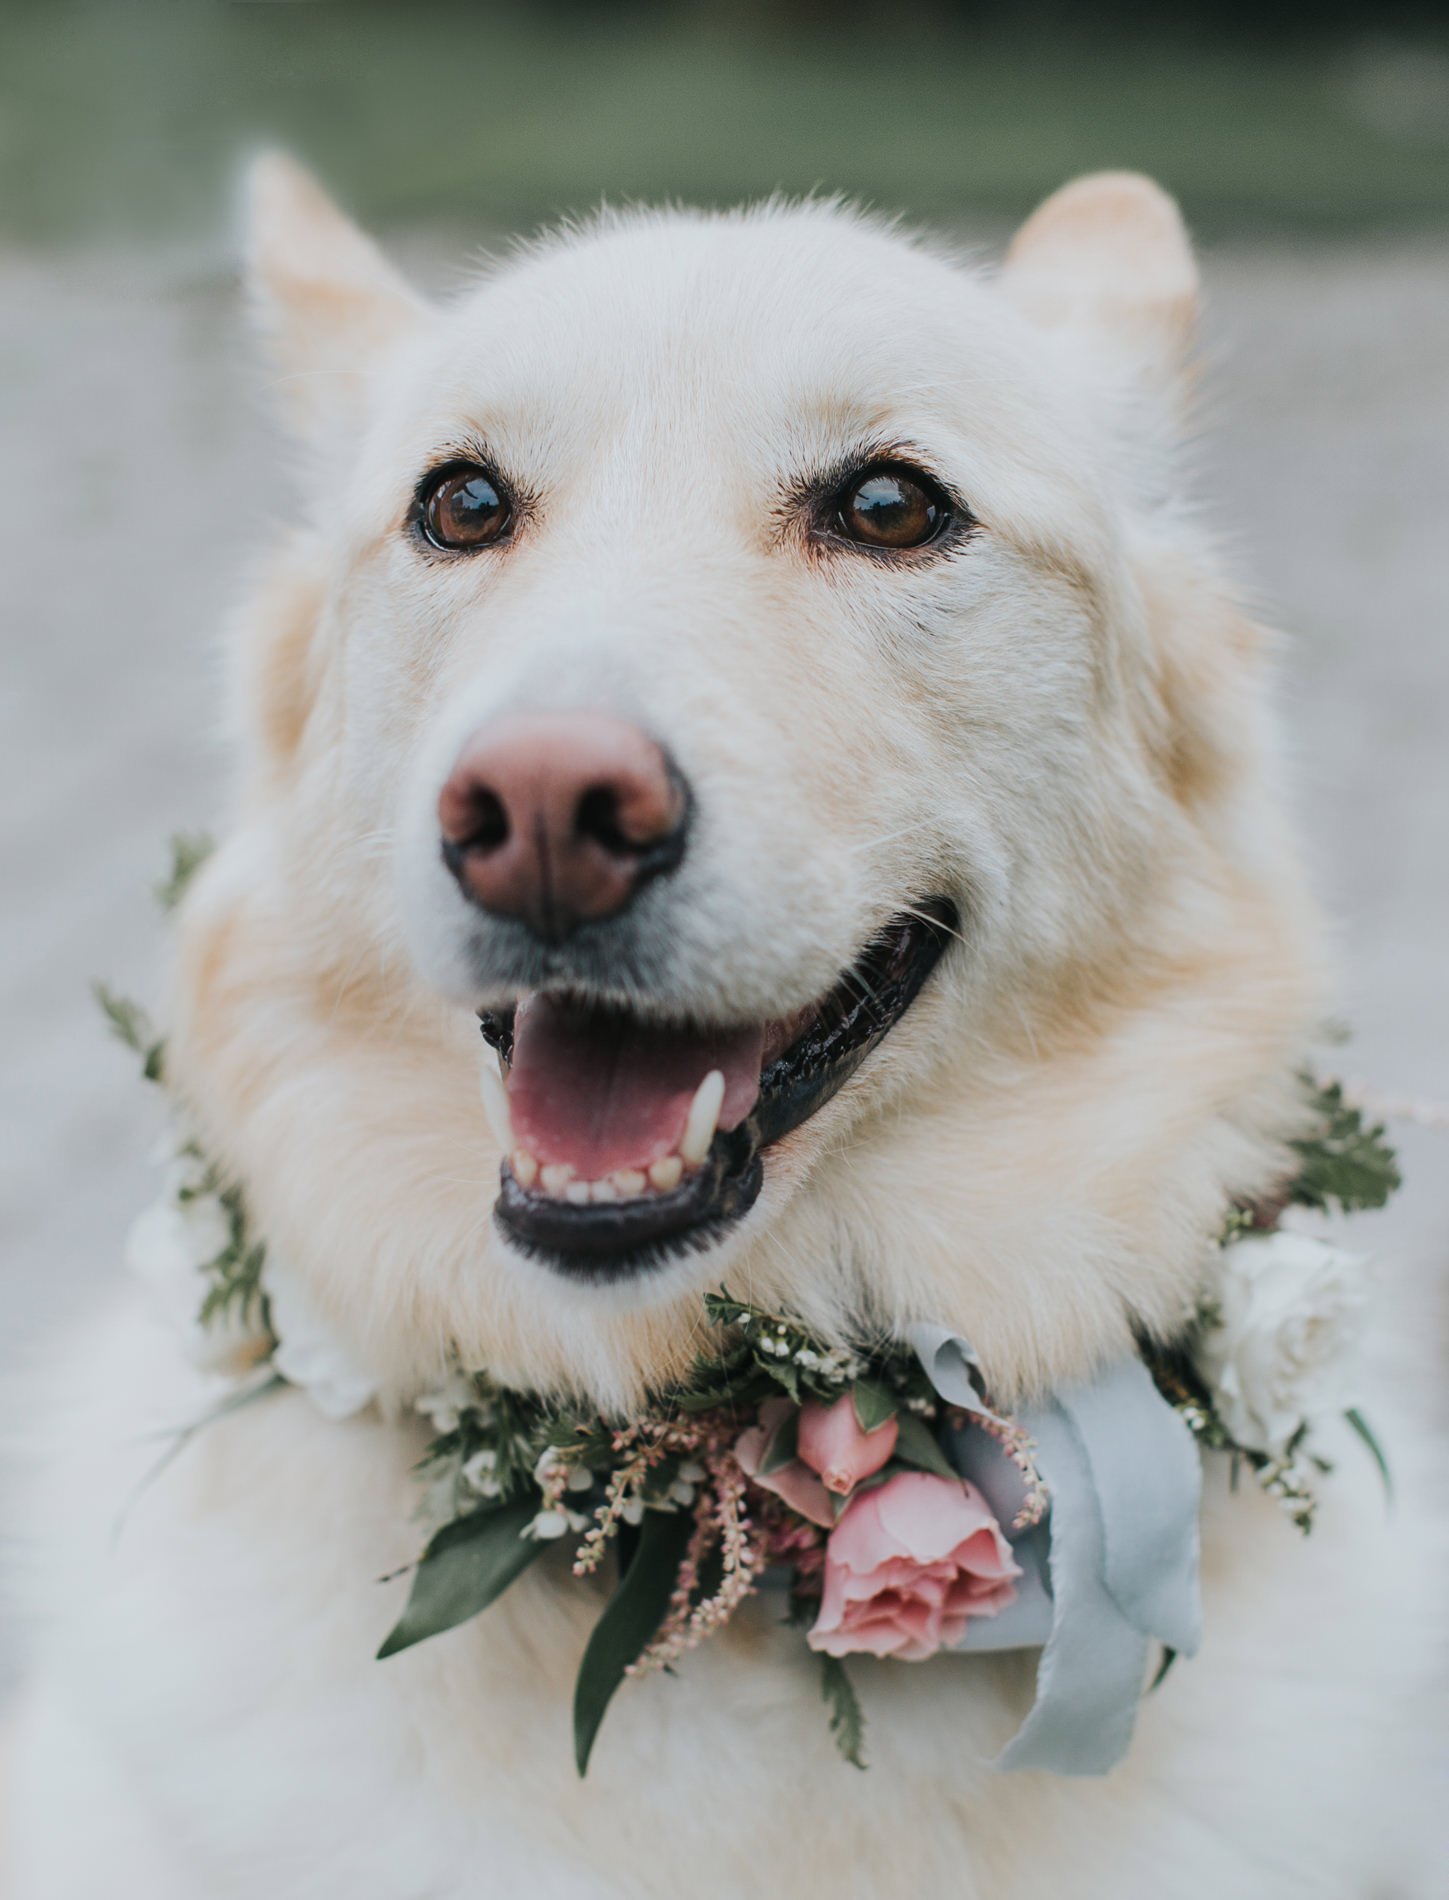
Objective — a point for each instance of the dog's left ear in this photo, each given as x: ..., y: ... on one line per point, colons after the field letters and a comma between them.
x: 326, y: 298
x: 1107, y: 257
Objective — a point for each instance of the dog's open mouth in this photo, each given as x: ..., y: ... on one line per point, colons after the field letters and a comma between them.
x: 630, y: 1142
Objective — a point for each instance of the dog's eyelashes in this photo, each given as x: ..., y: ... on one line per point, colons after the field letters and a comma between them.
x: 463, y: 507
x: 889, y: 506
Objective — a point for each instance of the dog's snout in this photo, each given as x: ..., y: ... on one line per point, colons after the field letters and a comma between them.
x: 557, y: 819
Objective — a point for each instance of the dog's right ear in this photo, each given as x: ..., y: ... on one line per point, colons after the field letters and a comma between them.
x: 326, y: 299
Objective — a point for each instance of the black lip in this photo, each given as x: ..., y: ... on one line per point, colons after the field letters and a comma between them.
x: 604, y: 1243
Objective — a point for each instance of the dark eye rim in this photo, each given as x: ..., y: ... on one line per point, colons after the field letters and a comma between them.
x: 436, y: 478
x: 954, y: 524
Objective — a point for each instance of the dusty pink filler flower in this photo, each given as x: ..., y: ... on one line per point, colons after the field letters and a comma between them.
x: 907, y: 1565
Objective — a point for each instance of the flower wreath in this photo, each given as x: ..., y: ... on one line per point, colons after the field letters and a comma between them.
x: 874, y: 1484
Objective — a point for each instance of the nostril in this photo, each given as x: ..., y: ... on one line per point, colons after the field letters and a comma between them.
x: 474, y: 818
x: 489, y: 821
x: 598, y: 818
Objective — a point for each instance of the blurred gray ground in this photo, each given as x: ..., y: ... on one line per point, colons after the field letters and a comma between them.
x: 138, y: 477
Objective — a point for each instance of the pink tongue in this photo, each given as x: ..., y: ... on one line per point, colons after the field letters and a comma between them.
x: 605, y: 1091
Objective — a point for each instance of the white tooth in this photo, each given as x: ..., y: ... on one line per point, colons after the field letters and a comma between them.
x: 703, y: 1118
x: 525, y: 1168
x: 665, y: 1174
x: 495, y: 1106
x: 629, y: 1182
x: 556, y: 1177
x: 577, y: 1192
x: 603, y: 1191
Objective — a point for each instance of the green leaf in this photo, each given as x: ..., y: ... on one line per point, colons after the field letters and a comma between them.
x: 131, y: 1025
x: 466, y: 1566
x: 916, y: 1445
x: 1342, y: 1161
x: 189, y: 851
x: 1376, y: 1451
x: 784, y: 1446
x: 847, y: 1719
x: 874, y: 1403
x: 786, y: 1374
x: 630, y: 1621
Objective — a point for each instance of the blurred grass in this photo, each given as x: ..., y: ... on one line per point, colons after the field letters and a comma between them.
x: 129, y: 118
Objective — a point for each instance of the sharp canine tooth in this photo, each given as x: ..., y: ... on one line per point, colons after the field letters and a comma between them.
x: 603, y: 1191
x: 556, y: 1176
x: 665, y: 1174
x: 577, y: 1192
x: 703, y: 1118
x: 525, y: 1168
x: 495, y: 1106
x: 629, y: 1182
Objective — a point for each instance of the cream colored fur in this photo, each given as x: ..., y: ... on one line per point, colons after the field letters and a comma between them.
x: 1066, y: 727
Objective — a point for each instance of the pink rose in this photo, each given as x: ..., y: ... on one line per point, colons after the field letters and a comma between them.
x: 907, y: 1564
x: 831, y: 1442
x: 795, y: 1482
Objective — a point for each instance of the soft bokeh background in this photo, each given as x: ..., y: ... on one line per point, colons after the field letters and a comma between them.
x: 139, y: 476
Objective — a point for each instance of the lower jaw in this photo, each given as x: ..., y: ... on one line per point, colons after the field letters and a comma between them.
x: 605, y: 1244
x: 623, y: 1240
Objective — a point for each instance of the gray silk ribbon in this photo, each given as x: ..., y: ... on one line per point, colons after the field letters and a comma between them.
x: 1114, y: 1567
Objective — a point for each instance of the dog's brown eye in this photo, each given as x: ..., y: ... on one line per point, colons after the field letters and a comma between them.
x: 464, y: 508
x: 891, y: 508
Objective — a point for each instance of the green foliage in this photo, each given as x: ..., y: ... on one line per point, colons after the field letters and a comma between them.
x: 630, y: 1621
x: 466, y: 1566
x: 769, y: 1355
x: 874, y: 1403
x: 847, y: 1718
x: 189, y: 851
x: 1343, y: 1163
x: 1376, y: 1451
x: 916, y: 1444
x: 131, y: 1025
x: 236, y: 1273
x: 130, y: 117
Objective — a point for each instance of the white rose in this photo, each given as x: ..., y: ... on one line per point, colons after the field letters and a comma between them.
x: 309, y: 1354
x: 1279, y: 1349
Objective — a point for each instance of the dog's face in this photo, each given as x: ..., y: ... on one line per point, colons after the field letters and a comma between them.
x: 730, y: 679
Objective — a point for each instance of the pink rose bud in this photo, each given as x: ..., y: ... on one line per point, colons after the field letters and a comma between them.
x: 832, y: 1443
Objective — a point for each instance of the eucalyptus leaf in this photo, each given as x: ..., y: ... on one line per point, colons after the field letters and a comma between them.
x: 874, y: 1403
x: 467, y: 1565
x: 916, y: 1445
x: 631, y: 1619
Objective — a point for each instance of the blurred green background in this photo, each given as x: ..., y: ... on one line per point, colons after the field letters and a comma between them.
x: 129, y: 119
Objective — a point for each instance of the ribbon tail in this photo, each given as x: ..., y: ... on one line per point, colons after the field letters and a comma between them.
x: 1122, y: 1557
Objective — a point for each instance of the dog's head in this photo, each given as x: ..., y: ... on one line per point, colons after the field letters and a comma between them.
x: 758, y: 671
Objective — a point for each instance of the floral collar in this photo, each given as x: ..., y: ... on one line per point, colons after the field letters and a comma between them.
x: 875, y: 1484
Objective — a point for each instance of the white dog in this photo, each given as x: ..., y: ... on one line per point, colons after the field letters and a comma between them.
x: 694, y: 618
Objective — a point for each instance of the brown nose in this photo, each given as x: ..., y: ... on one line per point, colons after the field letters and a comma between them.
x: 557, y: 818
